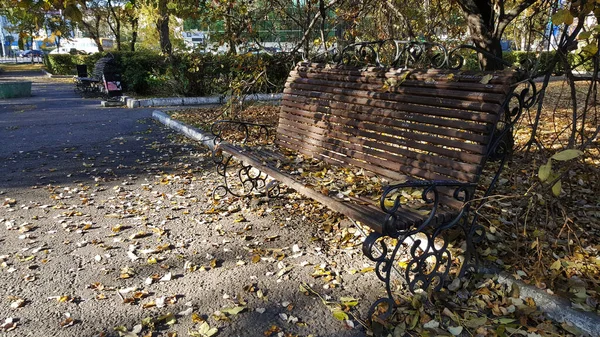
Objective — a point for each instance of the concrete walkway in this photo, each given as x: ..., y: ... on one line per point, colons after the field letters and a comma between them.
x: 48, y: 118
x: 107, y: 223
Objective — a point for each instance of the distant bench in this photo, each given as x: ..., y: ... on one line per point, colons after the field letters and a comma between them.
x: 429, y: 130
x: 105, y: 79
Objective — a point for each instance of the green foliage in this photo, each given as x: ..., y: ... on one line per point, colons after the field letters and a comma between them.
x: 188, y: 74
x: 542, y: 61
x: 545, y: 172
x: 63, y: 64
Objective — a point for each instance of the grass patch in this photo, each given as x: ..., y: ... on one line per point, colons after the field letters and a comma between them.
x: 8, y: 67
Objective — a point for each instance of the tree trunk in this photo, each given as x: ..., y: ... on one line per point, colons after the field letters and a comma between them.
x: 162, y: 25
x: 229, y: 31
x: 93, y: 32
x: 134, y: 28
x: 487, y: 20
x: 481, y: 21
x: 116, y: 28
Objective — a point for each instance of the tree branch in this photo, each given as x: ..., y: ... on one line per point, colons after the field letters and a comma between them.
x: 397, y: 12
x: 310, y: 26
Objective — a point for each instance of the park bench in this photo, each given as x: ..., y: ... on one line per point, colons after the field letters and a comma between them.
x: 105, y: 79
x: 83, y: 83
x: 421, y: 131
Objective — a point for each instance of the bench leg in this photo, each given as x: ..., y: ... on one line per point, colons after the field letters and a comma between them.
x: 420, y: 259
x: 474, y: 234
x: 241, y: 180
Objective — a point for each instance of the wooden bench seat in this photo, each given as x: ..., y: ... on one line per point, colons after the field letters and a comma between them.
x: 427, y: 129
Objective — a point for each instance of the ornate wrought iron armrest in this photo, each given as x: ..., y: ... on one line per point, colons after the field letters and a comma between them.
x: 462, y: 192
x: 217, y: 128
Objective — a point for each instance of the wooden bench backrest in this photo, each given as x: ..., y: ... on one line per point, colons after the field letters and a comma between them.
x: 429, y: 124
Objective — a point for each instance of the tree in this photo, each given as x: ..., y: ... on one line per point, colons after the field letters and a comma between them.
x: 25, y: 21
x: 487, y: 20
x: 114, y: 21
x: 132, y: 12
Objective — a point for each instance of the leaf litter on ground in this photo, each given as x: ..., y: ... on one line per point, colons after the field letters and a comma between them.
x: 547, y: 264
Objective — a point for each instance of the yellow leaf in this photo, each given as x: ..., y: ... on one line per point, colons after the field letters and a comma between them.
x: 556, y: 265
x: 240, y: 218
x: 590, y: 49
x: 567, y: 155
x: 340, y: 315
x: 562, y: 16
x: 556, y: 188
x: 486, y: 79
x: 584, y: 35
x: 197, y: 318
x: 544, y: 171
x: 234, y: 310
x: 349, y: 301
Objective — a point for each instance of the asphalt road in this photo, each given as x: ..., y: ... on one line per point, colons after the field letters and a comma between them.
x: 55, y: 117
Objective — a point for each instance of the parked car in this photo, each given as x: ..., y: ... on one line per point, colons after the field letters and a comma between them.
x: 35, y: 53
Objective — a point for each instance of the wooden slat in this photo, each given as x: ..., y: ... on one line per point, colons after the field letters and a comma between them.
x: 400, y: 106
x: 406, y: 82
x: 389, y: 159
x: 403, y: 90
x: 433, y: 128
x: 394, y: 132
x: 500, y: 77
x: 416, y: 116
x: 392, y: 97
x: 336, y: 158
x: 431, y: 134
x: 460, y: 155
x: 373, y: 157
x: 407, y: 156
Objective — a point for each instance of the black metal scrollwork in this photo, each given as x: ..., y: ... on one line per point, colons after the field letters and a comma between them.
x: 429, y: 257
x: 248, y: 179
x: 410, y: 54
x: 500, y: 150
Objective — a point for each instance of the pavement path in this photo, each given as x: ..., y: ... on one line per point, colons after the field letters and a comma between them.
x: 55, y: 116
x: 106, y: 222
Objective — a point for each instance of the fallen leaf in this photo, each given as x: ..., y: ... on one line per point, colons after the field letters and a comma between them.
x: 455, y: 330
x: 67, y: 322
x: 486, y: 79
x: 233, y: 311
x: 340, y: 315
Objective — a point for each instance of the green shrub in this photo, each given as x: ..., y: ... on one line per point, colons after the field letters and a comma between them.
x: 542, y: 61
x: 63, y: 64
x: 207, y: 74
x: 189, y: 74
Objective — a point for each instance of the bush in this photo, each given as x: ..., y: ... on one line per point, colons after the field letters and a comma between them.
x: 208, y: 74
x: 190, y: 74
x: 63, y: 64
x: 542, y: 61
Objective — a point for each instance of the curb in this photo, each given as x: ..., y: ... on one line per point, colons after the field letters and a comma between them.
x: 557, y: 308
x: 182, y: 101
x: 201, y: 136
x: 49, y: 75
